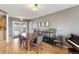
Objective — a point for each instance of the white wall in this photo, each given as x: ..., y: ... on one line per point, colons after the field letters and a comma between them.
x: 67, y: 21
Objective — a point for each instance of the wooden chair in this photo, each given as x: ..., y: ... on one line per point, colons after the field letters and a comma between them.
x: 22, y: 41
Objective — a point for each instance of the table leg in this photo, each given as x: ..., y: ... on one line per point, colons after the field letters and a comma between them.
x: 28, y: 46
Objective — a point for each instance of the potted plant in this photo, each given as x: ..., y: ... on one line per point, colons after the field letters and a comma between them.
x: 52, y: 29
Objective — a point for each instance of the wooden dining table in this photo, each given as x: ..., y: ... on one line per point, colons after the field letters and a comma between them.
x: 29, y: 38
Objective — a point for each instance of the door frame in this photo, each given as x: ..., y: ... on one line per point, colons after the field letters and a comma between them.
x: 20, y: 25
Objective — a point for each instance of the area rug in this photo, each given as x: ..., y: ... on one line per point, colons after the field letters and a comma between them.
x: 31, y: 52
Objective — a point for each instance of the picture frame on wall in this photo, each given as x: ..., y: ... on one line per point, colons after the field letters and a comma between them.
x: 43, y: 24
x: 38, y: 24
x: 47, y: 23
x: 35, y: 25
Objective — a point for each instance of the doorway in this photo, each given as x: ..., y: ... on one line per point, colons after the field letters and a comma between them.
x: 19, y: 27
x: 2, y: 28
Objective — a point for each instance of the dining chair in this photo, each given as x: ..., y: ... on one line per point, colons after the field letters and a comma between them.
x: 38, y: 43
x: 22, y: 40
x: 59, y: 41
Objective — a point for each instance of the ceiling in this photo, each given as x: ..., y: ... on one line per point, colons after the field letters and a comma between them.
x: 26, y: 11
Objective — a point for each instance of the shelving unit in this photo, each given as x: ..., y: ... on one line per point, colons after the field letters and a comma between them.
x: 48, y: 36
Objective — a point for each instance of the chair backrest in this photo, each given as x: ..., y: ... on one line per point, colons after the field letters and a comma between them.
x: 20, y: 38
x: 40, y: 39
x: 23, y: 34
x: 60, y: 38
x: 52, y: 35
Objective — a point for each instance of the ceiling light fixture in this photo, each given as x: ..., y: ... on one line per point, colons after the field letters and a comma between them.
x: 21, y: 19
x: 35, y: 7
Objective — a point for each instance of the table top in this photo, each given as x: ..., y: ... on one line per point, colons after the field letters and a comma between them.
x: 31, y: 36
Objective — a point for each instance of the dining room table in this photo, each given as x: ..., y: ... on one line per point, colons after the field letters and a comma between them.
x: 29, y: 38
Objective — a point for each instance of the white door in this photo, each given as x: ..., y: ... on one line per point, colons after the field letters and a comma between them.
x: 23, y: 27
x: 19, y: 27
x: 16, y: 28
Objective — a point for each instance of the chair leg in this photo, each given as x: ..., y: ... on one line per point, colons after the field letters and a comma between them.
x: 61, y: 45
x: 31, y: 47
x: 41, y: 47
x: 55, y: 43
x: 37, y: 49
x: 20, y: 45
